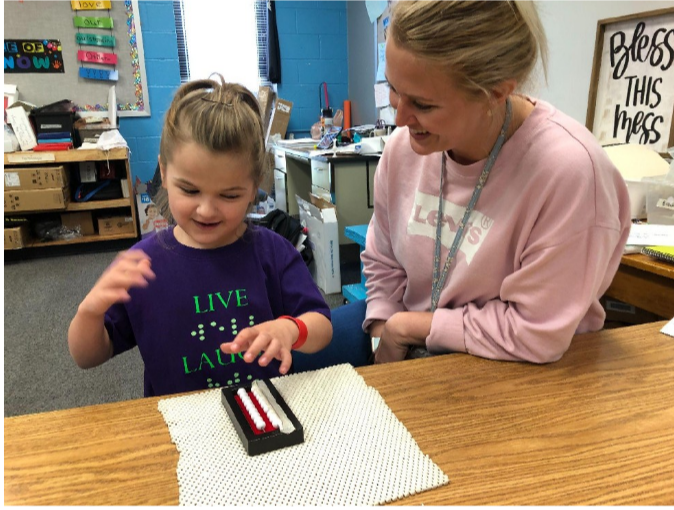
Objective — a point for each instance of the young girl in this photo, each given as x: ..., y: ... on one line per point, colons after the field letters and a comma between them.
x: 202, y: 300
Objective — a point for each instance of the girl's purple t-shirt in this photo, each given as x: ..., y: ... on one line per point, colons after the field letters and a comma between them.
x: 202, y: 298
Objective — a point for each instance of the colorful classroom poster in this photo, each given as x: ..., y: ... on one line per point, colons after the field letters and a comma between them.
x: 98, y: 74
x: 92, y: 22
x: 95, y: 40
x: 90, y: 5
x: 97, y: 57
x: 33, y: 56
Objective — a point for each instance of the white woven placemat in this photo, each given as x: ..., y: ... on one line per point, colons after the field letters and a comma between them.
x: 355, y: 451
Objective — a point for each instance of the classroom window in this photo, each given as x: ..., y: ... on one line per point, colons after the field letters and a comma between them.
x: 229, y: 38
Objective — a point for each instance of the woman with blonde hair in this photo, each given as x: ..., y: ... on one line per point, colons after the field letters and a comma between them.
x: 498, y: 220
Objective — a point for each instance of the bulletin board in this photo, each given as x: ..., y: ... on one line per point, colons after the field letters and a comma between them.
x: 632, y: 87
x: 53, y: 20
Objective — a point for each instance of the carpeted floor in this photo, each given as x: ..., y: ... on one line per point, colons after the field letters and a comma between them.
x: 43, y: 288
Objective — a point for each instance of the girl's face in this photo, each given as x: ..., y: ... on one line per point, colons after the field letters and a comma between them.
x: 439, y: 116
x: 152, y: 212
x: 209, y: 194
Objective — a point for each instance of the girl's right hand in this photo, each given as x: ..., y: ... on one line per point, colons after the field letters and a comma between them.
x: 130, y: 269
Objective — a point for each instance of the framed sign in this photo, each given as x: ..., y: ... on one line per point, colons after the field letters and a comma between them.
x: 632, y: 87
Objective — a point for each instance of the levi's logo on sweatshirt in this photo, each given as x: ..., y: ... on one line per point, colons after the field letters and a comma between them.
x: 424, y: 217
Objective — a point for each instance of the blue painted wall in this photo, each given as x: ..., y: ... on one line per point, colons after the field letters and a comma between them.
x: 313, y: 43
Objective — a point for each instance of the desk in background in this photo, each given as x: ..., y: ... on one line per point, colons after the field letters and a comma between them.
x: 345, y: 180
x: 645, y: 282
x: 596, y: 428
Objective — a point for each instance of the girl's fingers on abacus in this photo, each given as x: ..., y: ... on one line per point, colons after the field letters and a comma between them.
x: 286, y: 361
x: 260, y: 344
x: 241, y: 342
x: 270, y: 352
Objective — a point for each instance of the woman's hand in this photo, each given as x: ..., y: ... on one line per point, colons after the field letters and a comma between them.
x: 131, y: 268
x: 402, y: 331
x: 273, y: 338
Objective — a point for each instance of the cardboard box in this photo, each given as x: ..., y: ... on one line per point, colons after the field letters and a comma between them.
x: 265, y: 96
x: 111, y: 225
x: 18, y: 115
x: 82, y: 220
x: 36, y: 177
x: 16, y: 237
x: 53, y: 199
x: 321, y: 223
x: 280, y: 118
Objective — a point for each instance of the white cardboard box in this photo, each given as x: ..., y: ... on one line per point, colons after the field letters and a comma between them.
x: 323, y: 231
x: 17, y: 116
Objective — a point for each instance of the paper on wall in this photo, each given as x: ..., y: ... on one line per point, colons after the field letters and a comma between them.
x: 381, y: 94
x: 381, y: 62
x: 388, y: 115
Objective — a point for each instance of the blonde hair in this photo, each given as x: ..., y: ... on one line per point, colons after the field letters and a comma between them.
x: 481, y: 43
x: 219, y: 116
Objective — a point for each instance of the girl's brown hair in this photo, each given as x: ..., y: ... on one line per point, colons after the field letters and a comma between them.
x: 219, y: 116
x: 482, y: 43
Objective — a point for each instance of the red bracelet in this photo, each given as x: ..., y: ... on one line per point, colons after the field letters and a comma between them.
x: 304, y: 332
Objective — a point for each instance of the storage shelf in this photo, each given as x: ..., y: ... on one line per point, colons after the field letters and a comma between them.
x: 47, y: 159
x: 84, y: 239
x: 97, y: 204
x: 69, y: 156
x: 93, y: 205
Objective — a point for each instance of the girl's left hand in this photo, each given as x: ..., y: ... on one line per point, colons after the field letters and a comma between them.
x: 273, y: 338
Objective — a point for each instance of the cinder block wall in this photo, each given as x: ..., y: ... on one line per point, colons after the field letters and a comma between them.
x: 313, y: 43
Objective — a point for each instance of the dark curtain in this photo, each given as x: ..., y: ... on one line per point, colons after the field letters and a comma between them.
x: 273, y: 51
x: 183, y: 57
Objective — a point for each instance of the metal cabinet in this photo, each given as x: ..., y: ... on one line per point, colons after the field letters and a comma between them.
x: 292, y: 176
x: 349, y: 184
x: 346, y: 181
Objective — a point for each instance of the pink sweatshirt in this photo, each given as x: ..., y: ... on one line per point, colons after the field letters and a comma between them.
x: 543, y: 243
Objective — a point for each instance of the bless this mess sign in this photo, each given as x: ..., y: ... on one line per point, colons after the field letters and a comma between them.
x: 635, y: 82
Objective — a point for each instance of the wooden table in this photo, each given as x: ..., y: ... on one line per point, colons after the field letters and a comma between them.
x: 645, y: 282
x: 596, y: 428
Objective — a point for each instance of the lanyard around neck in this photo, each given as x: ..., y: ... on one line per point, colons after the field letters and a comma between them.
x: 440, y: 279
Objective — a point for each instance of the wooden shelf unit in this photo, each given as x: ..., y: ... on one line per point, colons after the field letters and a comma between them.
x: 23, y: 159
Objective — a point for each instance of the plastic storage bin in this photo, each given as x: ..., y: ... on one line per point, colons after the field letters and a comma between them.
x: 660, y: 200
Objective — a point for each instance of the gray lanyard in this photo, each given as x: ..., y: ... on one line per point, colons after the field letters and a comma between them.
x: 440, y: 279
